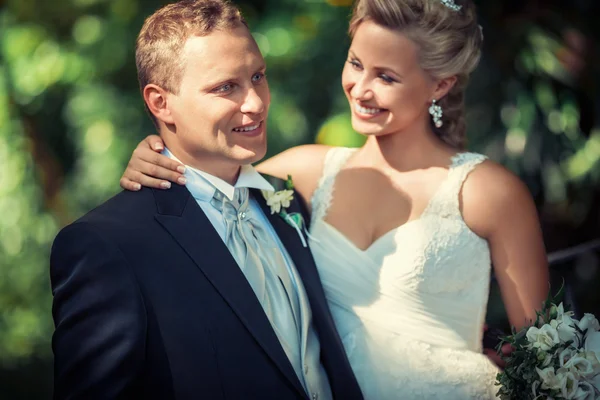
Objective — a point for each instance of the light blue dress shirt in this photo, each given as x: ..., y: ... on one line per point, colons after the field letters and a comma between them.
x: 202, y: 186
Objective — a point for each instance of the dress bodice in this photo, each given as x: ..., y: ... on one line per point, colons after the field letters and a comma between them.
x: 425, y: 282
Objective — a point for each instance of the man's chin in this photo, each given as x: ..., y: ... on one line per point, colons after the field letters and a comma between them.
x: 247, y: 156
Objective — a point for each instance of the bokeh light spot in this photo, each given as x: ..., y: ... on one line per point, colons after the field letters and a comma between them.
x: 87, y: 30
x: 515, y: 142
x: 280, y: 41
x: 99, y: 136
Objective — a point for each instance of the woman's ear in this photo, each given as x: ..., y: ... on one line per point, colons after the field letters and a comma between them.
x: 442, y: 87
x: 156, y: 100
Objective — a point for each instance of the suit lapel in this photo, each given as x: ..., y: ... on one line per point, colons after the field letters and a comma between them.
x: 181, y: 216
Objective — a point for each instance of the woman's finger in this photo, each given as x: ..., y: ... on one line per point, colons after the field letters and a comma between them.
x: 150, y: 170
x: 141, y: 154
x: 155, y: 142
x: 147, y: 181
x: 168, y: 163
x: 130, y: 185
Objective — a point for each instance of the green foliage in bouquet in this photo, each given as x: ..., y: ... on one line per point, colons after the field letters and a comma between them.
x: 557, y: 357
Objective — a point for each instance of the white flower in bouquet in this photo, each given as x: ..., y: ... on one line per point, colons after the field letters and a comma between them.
x: 564, y: 324
x: 550, y: 380
x: 558, y: 357
x: 580, y: 366
x: 545, y: 358
x: 592, y: 344
x: 585, y: 391
x: 565, y: 355
x: 569, y: 384
x: 557, y: 311
x: 589, y: 323
x: 543, y: 338
x: 562, y: 380
x: 592, y: 352
x: 591, y: 357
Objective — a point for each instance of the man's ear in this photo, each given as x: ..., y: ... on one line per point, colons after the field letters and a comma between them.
x: 156, y: 100
x: 442, y: 87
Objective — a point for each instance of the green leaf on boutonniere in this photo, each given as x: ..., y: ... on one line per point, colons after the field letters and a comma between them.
x: 289, y: 184
x: 295, y: 217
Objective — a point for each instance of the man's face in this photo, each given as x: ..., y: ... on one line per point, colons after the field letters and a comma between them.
x: 220, y: 112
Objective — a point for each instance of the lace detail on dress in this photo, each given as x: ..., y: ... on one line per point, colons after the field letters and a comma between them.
x: 335, y: 159
x: 462, y: 375
x: 398, y: 367
x: 445, y: 203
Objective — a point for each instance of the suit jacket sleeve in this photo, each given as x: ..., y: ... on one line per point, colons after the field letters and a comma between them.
x: 99, y: 317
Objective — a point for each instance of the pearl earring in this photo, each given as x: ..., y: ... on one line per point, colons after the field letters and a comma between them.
x: 436, y: 112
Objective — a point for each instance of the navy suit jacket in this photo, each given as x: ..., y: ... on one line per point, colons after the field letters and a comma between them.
x: 149, y: 303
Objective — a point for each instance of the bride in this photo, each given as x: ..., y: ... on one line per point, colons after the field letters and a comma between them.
x: 405, y: 229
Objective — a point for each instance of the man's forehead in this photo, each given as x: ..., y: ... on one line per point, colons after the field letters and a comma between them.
x: 236, y: 40
x: 227, y: 50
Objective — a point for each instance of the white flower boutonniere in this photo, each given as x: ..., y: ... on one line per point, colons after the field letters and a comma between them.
x: 279, y: 202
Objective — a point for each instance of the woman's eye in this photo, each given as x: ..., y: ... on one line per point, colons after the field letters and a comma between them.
x: 386, y: 78
x: 355, y: 64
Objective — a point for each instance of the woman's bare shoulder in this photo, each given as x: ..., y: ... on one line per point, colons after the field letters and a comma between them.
x: 491, y: 194
x: 303, y: 163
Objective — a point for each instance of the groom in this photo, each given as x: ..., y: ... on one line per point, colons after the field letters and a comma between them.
x: 199, y: 291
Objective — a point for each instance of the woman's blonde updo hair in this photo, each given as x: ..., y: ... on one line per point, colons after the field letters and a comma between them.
x: 449, y: 44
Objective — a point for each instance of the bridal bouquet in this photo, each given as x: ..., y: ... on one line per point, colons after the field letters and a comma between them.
x: 558, y: 357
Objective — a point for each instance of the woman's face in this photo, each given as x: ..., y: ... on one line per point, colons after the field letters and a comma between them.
x: 387, y: 90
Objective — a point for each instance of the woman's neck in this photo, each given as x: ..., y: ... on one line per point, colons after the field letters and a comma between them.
x: 406, y: 151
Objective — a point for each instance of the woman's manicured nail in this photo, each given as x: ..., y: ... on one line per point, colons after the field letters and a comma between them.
x: 181, y: 180
x: 181, y: 169
x: 165, y: 185
x: 158, y: 146
x: 137, y: 186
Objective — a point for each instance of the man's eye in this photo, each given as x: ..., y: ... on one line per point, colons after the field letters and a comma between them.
x: 224, y: 88
x: 259, y: 76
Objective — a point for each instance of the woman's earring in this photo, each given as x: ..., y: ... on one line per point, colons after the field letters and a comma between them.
x: 436, y: 112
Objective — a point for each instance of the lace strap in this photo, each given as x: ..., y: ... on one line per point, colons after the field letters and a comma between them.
x: 335, y: 159
x: 445, y: 202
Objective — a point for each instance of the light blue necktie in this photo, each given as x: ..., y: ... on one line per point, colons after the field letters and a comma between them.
x: 263, y: 265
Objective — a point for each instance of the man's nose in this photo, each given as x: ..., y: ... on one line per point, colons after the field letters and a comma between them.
x: 253, y: 103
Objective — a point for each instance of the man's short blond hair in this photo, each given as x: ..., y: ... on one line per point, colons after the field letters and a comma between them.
x: 162, y: 38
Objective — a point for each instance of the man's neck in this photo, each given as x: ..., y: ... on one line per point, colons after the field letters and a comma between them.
x: 222, y: 169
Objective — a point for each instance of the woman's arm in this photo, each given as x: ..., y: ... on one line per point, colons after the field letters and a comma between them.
x: 498, y: 207
x: 147, y: 167
x: 303, y: 163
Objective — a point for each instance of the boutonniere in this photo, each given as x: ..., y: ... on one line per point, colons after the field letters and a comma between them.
x: 279, y: 201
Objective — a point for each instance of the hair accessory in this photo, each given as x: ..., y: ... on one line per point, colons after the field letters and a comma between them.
x: 451, y: 5
x: 437, y: 113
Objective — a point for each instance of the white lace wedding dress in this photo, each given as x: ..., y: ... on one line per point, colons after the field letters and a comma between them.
x: 410, y: 309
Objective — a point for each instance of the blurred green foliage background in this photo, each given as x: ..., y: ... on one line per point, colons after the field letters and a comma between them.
x: 71, y: 113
